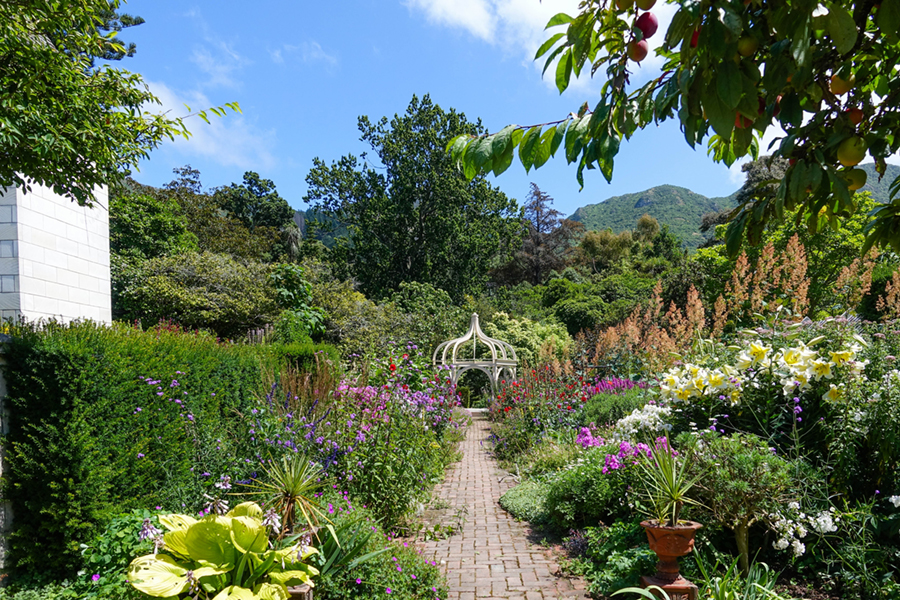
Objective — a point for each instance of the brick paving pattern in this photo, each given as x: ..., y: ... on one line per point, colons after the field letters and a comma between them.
x: 492, y: 557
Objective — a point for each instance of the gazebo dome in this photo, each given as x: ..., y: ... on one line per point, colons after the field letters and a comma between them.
x: 463, y: 354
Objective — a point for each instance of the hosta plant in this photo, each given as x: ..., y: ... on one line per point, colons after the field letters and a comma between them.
x: 221, y: 557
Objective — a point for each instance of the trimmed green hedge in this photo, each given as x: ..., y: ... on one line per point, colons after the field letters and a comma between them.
x: 106, y: 419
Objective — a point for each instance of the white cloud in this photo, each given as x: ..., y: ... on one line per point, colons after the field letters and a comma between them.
x: 313, y: 52
x: 475, y: 16
x: 517, y: 27
x: 309, y: 52
x: 220, y: 63
x: 229, y: 141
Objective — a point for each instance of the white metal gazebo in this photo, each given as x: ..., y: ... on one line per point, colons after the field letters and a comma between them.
x: 463, y: 354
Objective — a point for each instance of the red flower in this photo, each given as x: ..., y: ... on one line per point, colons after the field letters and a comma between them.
x: 559, y: 406
x: 393, y: 367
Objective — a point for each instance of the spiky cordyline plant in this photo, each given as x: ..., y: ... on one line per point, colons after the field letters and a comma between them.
x: 289, y: 487
x: 665, y: 482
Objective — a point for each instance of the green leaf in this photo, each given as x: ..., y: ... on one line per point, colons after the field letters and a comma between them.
x: 728, y: 84
x: 233, y: 592
x: 564, y: 71
x: 720, y: 116
x: 527, y: 147
x: 482, y: 152
x: 158, y: 576
x: 504, y: 159
x: 841, y: 28
x: 543, y: 151
x: 888, y: 17
x: 547, y: 45
x: 246, y: 509
x: 800, y: 45
x: 558, y: 19
x: 558, y: 137
x: 174, y: 522
x: 271, y: 591
x: 502, y: 139
x: 248, y: 534
x: 732, y: 22
x: 209, y: 540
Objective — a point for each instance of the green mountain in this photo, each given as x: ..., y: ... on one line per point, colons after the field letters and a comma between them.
x: 682, y: 210
x: 678, y: 207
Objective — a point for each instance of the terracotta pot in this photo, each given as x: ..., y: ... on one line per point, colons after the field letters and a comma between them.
x: 669, y: 543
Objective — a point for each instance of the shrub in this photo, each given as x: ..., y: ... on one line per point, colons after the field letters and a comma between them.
x: 199, y: 290
x: 604, y: 409
x: 616, y: 557
x: 590, y: 491
x: 104, y: 419
x: 527, y: 502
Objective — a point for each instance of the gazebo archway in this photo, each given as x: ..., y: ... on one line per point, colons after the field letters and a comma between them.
x: 496, y: 358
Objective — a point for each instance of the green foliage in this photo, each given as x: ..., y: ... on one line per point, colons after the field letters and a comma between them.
x: 604, y: 409
x: 294, y: 294
x: 255, y: 203
x: 679, y: 208
x: 358, y: 579
x: 417, y: 218
x: 146, y: 226
x: 728, y: 99
x: 533, y: 341
x: 95, y: 429
x: 615, y: 557
x: 740, y: 482
x: 217, y: 230
x: 584, y: 495
x: 221, y: 553
x: 107, y: 556
x: 426, y: 316
x: 200, y: 290
x: 527, y: 501
x: 84, y: 125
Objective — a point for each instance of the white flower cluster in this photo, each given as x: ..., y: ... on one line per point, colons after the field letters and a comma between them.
x: 895, y: 500
x: 650, y: 418
x: 691, y: 381
x: 790, y: 530
x: 796, y: 368
x: 800, y: 365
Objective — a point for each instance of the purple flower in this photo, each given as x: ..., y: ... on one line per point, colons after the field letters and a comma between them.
x: 358, y: 581
x: 140, y: 455
x: 95, y: 577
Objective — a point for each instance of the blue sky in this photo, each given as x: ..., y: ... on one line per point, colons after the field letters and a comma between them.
x: 303, y: 72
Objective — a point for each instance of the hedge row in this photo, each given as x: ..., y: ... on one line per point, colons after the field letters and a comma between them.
x: 106, y: 419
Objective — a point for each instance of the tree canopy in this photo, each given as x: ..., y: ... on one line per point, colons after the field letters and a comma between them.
x: 413, y: 216
x: 255, y: 203
x: 65, y: 122
x: 820, y: 74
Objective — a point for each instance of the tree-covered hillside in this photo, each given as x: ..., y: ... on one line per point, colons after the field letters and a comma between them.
x: 682, y: 210
x: 678, y: 207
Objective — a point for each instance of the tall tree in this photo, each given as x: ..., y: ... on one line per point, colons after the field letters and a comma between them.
x: 413, y: 216
x: 546, y: 244
x: 65, y: 123
x: 255, y: 203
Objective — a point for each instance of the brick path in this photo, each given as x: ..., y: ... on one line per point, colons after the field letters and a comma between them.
x: 492, y: 556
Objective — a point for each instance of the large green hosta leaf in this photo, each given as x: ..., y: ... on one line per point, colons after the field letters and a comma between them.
x: 233, y: 592
x: 175, y: 542
x: 271, y: 591
x: 246, y: 509
x: 297, y: 574
x: 209, y: 541
x: 174, y: 522
x: 249, y: 535
x: 159, y: 576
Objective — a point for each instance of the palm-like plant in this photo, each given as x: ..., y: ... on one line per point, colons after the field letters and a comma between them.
x: 289, y: 489
x: 665, y: 481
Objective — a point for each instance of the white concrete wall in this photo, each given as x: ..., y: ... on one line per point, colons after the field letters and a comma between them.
x: 54, y: 256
